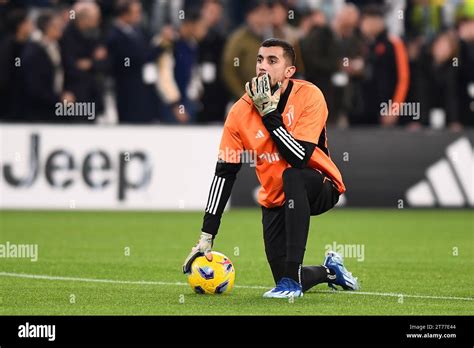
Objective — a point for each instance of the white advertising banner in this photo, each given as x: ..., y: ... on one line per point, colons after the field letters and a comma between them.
x: 100, y: 167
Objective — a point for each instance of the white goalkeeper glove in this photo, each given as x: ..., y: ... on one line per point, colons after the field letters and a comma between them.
x: 260, y: 91
x: 203, y: 247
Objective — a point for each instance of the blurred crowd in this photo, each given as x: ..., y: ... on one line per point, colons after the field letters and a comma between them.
x: 407, y: 63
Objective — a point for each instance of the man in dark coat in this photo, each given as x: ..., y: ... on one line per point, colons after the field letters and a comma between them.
x: 19, y: 31
x: 319, y: 52
x: 215, y: 97
x: 466, y: 64
x: 84, y: 58
x: 129, y: 51
x: 43, y: 74
x: 387, y: 74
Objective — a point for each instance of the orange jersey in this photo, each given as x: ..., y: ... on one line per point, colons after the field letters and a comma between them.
x: 304, y: 116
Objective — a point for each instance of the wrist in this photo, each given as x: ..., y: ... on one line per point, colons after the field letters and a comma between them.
x: 272, y: 120
x: 207, y: 237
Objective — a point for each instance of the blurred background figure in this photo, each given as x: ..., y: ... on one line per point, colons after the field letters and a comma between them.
x: 19, y: 29
x: 320, y: 56
x: 180, y: 83
x: 240, y: 52
x: 439, y: 81
x: 348, y: 99
x: 280, y: 15
x: 466, y: 66
x: 129, y: 51
x: 212, y: 106
x: 84, y: 57
x: 387, y: 71
x: 43, y: 72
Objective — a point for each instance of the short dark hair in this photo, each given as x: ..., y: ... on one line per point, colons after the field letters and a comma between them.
x: 288, y: 50
x: 122, y: 7
x: 193, y: 14
x: 44, y: 19
x: 373, y: 10
x: 15, y: 18
x: 251, y: 5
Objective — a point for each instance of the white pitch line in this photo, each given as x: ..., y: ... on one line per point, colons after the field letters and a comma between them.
x: 392, y: 294
x: 110, y: 281
x: 146, y: 282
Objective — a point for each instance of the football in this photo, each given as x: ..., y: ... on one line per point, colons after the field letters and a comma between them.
x: 212, y: 277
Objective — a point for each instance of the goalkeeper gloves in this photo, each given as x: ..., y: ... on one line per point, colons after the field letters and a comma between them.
x: 260, y: 91
x: 203, y: 247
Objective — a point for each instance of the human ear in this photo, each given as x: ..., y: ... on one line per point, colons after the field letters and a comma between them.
x: 290, y: 71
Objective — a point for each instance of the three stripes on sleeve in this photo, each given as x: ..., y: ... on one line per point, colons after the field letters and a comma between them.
x: 215, y: 194
x: 290, y: 142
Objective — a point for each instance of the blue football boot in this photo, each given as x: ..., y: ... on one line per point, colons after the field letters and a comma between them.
x: 344, y: 278
x: 285, y: 288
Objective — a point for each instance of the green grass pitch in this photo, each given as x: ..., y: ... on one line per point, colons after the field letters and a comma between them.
x: 415, y: 263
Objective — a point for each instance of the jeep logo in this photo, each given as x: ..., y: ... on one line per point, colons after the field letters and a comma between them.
x: 60, y: 161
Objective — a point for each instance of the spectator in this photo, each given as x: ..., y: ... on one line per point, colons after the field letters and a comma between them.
x: 240, y: 52
x: 466, y: 70
x: 215, y: 97
x: 387, y: 71
x: 320, y: 57
x: 281, y: 29
x: 129, y: 51
x: 347, y: 80
x: 279, y: 13
x: 43, y: 71
x: 439, y: 87
x: 83, y: 55
x: 179, y: 83
x: 19, y: 30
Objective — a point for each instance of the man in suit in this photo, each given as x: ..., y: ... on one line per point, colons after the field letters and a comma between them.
x: 84, y: 57
x: 129, y: 51
x: 19, y: 27
x: 43, y: 74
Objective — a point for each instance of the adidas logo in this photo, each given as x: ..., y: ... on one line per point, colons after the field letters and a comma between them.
x: 449, y: 182
x: 259, y: 134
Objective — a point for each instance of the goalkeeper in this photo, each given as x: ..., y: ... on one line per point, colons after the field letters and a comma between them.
x: 283, y: 121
